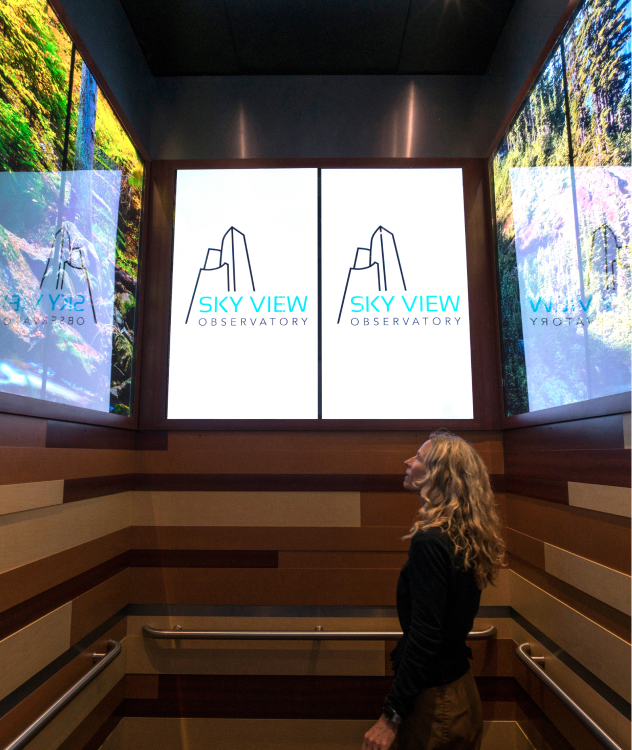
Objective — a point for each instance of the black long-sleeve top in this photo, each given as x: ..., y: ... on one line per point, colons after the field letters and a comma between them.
x: 437, y: 601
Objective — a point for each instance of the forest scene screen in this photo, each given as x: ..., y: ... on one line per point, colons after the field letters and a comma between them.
x: 561, y: 180
x: 71, y: 186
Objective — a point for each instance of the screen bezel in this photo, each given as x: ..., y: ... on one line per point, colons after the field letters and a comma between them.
x: 483, y: 334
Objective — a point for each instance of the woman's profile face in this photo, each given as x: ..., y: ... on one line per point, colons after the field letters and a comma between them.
x: 416, y: 467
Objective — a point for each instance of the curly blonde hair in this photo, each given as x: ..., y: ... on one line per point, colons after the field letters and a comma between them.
x: 457, y: 498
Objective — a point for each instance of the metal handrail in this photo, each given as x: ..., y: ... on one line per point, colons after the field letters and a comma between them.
x: 536, y: 665
x: 102, y: 661
x: 319, y: 634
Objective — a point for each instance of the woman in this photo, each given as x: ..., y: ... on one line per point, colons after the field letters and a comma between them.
x: 455, y: 551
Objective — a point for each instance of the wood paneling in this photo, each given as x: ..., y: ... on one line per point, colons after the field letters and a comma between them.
x: 24, y: 653
x: 600, y: 651
x: 389, y: 508
x: 369, y: 539
x: 300, y: 559
x: 94, y: 721
x: 610, y: 467
x: 43, y: 464
x: 23, y: 432
x: 263, y: 586
x: 602, y: 583
x: 84, y: 488
x: 596, y: 536
x: 97, y: 605
x: 177, y: 558
x: 343, y: 453
x: 65, y: 723
x: 19, y: 497
x: 599, y: 497
x: 143, y: 686
x: 260, y: 509
x: 603, y: 712
x: 627, y: 441
x: 525, y: 547
x: 24, y: 582
x: 35, y: 535
x: 73, y: 435
x: 26, y: 612
x: 598, y: 433
x: 606, y: 616
x: 554, y: 490
x: 17, y: 719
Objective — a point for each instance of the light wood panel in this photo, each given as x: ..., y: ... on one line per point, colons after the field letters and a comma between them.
x: 33, y: 535
x: 138, y: 733
x: 596, y: 536
x: 18, y: 497
x: 601, y: 711
x: 24, y: 653
x: 600, y: 651
x: 62, y: 726
x: 600, y: 497
x: 261, y: 509
x: 603, y: 583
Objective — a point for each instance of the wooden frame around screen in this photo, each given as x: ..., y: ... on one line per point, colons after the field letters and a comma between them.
x: 484, y: 339
x: 597, y: 407
x: 33, y: 407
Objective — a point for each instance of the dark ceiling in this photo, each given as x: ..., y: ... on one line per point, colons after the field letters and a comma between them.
x: 231, y: 37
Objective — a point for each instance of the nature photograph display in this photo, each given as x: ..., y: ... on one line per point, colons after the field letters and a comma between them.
x: 71, y: 186
x: 561, y: 180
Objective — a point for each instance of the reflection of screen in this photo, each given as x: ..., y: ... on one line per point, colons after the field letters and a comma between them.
x: 391, y: 320
x: 58, y: 283
x: 573, y: 257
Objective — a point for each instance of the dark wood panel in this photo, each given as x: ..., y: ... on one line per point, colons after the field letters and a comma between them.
x: 99, y: 723
x: 608, y: 617
x: 87, y: 487
x: 525, y: 547
x: 599, y: 537
x: 27, y: 581
x: 98, y: 604
x: 554, y: 490
x: 32, y: 609
x: 263, y: 586
x: 604, y: 433
x: 73, y: 435
x: 17, y: 431
x: 369, y: 538
x: 611, y: 467
x: 388, y: 508
x: 178, y: 558
x: 152, y: 440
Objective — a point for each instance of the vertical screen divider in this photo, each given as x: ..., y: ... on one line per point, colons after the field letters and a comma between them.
x: 320, y: 305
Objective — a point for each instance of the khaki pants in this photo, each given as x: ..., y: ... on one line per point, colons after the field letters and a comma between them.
x: 448, y: 717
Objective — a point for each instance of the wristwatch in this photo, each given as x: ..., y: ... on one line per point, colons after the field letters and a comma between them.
x: 392, y: 715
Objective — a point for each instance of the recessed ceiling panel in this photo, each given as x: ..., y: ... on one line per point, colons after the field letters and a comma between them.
x: 452, y: 36
x: 183, y: 37
x: 318, y: 36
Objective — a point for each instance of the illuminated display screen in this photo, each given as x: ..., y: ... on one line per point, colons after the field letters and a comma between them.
x: 71, y: 186
x: 562, y: 199
x: 306, y: 294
